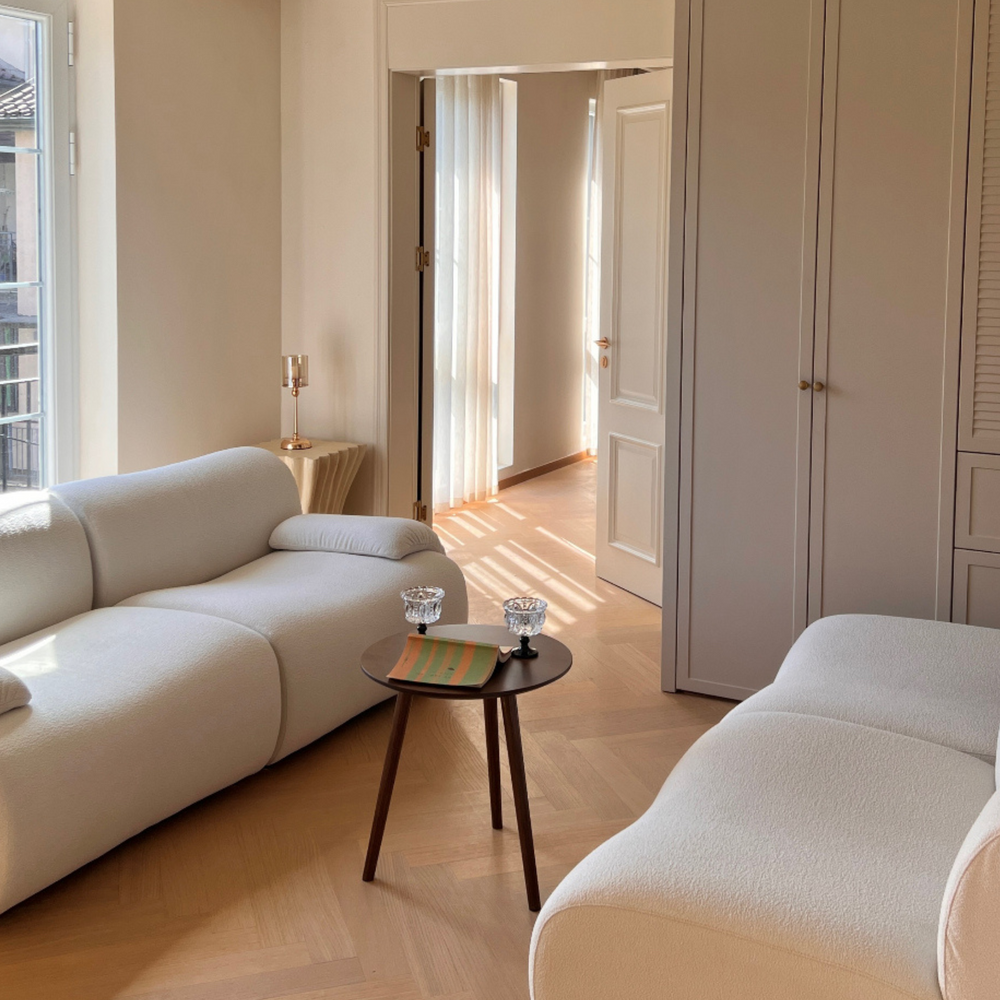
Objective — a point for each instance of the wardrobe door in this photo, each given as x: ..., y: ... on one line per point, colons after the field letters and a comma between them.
x: 749, y: 251
x: 888, y: 305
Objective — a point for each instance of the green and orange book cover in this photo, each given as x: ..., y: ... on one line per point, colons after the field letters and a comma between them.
x: 430, y: 659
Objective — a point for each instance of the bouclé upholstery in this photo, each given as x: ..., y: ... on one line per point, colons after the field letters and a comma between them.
x: 170, y: 652
x: 836, y: 837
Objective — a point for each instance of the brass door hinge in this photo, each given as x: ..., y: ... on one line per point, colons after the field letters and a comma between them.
x: 423, y: 260
x: 423, y: 139
x: 419, y: 511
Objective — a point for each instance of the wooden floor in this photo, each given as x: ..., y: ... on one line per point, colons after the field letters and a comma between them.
x: 256, y: 893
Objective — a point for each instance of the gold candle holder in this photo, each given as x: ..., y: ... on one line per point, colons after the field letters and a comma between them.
x: 295, y: 375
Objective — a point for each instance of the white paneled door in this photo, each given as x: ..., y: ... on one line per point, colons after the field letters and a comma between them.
x: 636, y: 155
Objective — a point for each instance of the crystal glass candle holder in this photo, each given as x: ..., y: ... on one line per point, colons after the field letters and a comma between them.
x: 422, y: 606
x: 525, y: 616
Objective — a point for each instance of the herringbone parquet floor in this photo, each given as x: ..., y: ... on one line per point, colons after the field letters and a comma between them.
x: 256, y: 893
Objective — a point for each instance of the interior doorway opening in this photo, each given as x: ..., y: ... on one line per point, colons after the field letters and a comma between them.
x: 514, y: 328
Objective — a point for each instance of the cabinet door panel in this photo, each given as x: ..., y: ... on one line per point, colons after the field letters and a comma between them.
x: 752, y: 179
x: 977, y: 588
x: 977, y: 503
x: 888, y: 305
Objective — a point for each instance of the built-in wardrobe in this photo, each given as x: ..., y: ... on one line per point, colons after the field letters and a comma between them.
x: 822, y: 153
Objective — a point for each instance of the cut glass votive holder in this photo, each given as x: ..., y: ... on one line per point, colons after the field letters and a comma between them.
x: 422, y: 606
x: 525, y: 616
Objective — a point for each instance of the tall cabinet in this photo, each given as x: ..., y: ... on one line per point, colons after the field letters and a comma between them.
x: 819, y: 299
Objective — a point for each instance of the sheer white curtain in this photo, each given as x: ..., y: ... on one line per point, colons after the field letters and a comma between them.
x: 592, y: 280
x: 466, y: 289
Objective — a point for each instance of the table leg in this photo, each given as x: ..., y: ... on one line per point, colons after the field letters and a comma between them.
x: 493, y: 761
x: 389, y: 769
x: 515, y: 753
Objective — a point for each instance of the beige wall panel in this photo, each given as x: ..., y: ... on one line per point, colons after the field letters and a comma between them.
x: 887, y: 304
x: 513, y: 33
x: 977, y: 588
x: 331, y: 219
x: 751, y: 171
x: 97, y: 229
x: 199, y: 226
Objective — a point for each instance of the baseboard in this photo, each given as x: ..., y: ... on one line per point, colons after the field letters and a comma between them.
x: 559, y: 463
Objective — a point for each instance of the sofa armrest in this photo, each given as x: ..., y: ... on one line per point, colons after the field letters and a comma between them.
x: 383, y: 537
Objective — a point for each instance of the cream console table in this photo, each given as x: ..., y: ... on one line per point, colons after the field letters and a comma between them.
x: 324, y: 472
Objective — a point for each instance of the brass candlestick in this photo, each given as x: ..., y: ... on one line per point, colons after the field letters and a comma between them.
x: 295, y: 374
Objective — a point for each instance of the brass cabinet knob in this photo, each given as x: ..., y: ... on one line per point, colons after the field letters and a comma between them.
x: 603, y: 343
x: 803, y: 385
x: 818, y: 386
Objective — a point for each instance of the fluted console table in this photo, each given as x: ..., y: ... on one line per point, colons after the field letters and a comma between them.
x: 324, y: 473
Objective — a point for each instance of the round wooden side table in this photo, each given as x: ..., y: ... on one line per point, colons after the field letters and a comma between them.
x: 510, y: 679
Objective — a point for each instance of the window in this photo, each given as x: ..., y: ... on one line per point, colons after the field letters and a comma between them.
x: 28, y: 344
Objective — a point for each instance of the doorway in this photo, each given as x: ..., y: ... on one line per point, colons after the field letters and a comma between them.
x: 505, y: 369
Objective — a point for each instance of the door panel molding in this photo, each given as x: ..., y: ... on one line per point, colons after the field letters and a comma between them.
x: 625, y: 497
x: 629, y: 156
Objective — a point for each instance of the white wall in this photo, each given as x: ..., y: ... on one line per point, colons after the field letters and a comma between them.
x: 330, y: 218
x: 199, y: 226
x: 179, y: 220
x: 553, y: 123
x: 333, y: 57
x: 518, y: 33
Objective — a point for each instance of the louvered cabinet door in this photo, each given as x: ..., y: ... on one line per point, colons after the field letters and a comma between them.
x: 979, y: 411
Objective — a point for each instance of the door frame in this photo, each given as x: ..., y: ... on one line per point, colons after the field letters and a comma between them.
x: 399, y: 451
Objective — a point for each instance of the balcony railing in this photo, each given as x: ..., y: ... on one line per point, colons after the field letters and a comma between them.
x: 19, y: 456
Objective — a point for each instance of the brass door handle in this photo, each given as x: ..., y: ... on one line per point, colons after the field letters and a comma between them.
x: 818, y: 386
x: 803, y: 385
x: 603, y: 343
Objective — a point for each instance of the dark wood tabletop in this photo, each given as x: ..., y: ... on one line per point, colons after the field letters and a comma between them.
x: 510, y: 678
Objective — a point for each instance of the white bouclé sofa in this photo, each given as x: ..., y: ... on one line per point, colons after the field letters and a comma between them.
x: 178, y: 630
x: 836, y: 837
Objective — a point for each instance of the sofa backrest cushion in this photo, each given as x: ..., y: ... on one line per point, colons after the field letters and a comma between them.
x: 45, y: 572
x: 181, y: 524
x: 968, y: 956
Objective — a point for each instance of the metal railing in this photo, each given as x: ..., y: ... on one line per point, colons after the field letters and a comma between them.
x: 8, y: 255
x: 19, y: 456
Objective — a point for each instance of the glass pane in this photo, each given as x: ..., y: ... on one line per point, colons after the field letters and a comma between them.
x: 18, y: 216
x: 19, y: 397
x: 20, y: 456
x: 18, y: 317
x: 17, y: 82
x: 18, y: 171
x: 19, y: 360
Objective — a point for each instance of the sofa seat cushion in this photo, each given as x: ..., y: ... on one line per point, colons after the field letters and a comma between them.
x: 932, y: 680
x: 135, y: 714
x: 785, y: 857
x: 320, y: 611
